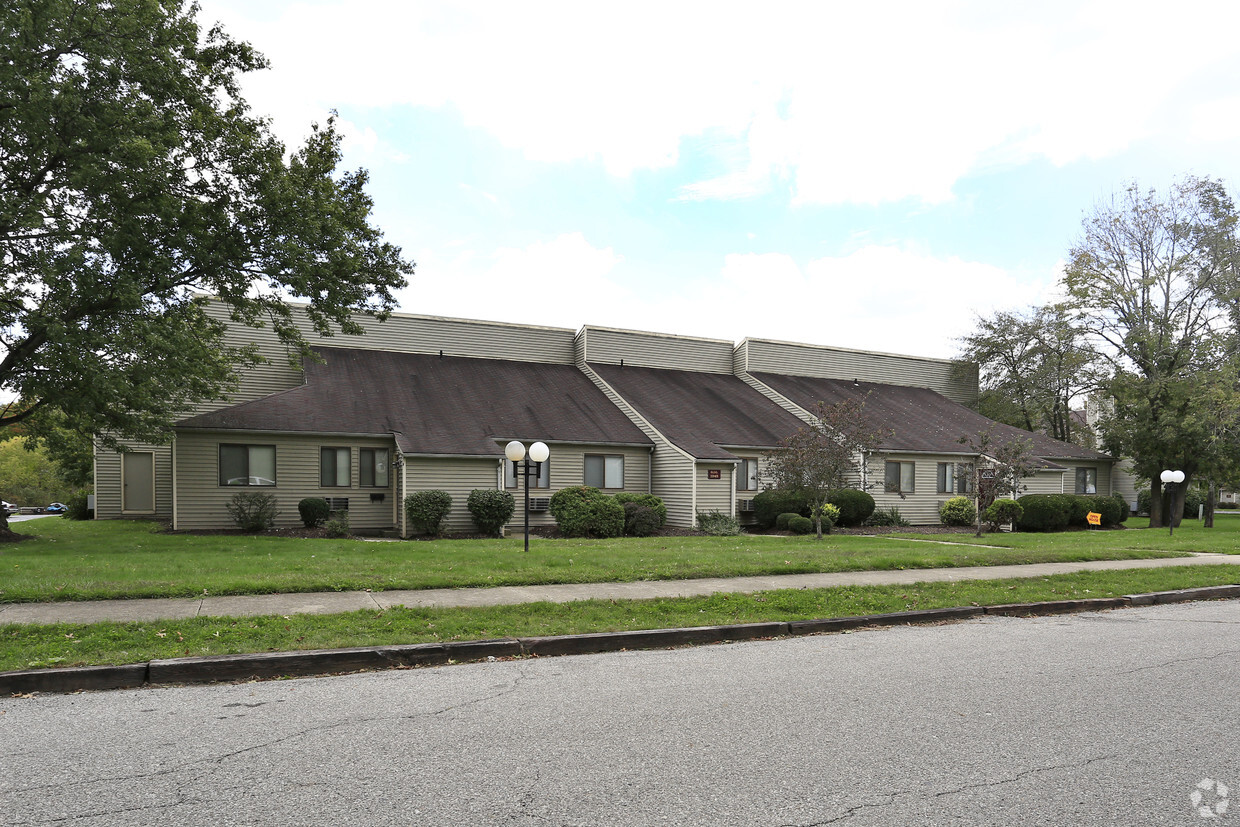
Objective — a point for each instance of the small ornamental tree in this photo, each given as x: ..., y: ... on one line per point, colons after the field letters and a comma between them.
x: 820, y: 457
x: 998, y: 470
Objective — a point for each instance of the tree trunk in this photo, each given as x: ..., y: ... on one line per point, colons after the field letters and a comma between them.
x: 1211, y: 497
x: 1156, y: 505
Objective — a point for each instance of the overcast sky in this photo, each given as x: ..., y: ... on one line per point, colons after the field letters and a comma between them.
x: 867, y: 175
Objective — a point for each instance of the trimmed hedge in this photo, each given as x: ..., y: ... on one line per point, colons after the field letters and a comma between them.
x: 650, y: 501
x: 583, y: 511
x: 958, y: 511
x: 491, y: 508
x: 769, y: 504
x: 781, y: 522
x: 800, y: 525
x: 313, y: 511
x: 1055, y: 512
x: 855, y: 506
x: 428, y: 509
x: 640, y: 520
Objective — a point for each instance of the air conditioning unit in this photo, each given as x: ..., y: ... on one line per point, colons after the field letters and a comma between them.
x: 540, y: 503
x: 744, y: 505
x: 337, y: 503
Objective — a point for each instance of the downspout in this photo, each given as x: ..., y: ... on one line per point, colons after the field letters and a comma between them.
x: 404, y: 492
x: 173, y: 461
x: 650, y: 472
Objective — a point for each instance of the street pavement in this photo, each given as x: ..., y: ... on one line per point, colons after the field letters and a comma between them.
x: 91, y: 611
x: 1124, y: 717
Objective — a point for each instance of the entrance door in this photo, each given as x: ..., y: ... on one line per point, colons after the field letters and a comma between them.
x: 138, y: 482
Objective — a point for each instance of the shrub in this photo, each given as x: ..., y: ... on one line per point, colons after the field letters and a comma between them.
x: 1143, y: 502
x: 1076, y: 506
x: 1043, y: 512
x: 1108, y: 507
x: 1224, y: 506
x: 855, y: 506
x: 781, y: 522
x: 1192, y: 499
x: 719, y: 524
x: 831, y: 512
x: 426, y: 510
x: 800, y: 525
x: 958, y: 511
x: 1001, y: 512
x: 491, y: 508
x: 583, y: 511
x: 887, y: 517
x: 313, y: 511
x: 76, y: 508
x: 652, y: 502
x: 253, y: 512
x: 769, y: 504
x: 337, y: 525
x: 641, y: 520
x: 1124, y: 511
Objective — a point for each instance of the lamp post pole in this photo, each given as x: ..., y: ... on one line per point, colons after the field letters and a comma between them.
x: 515, y: 451
x: 1171, y: 479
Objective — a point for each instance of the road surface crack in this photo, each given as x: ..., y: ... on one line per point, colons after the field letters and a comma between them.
x: 1165, y: 664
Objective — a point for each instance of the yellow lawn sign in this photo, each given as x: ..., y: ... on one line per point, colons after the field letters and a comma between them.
x: 1094, y: 518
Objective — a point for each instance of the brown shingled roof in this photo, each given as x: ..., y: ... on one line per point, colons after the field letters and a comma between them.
x: 921, y: 419
x: 700, y: 412
x: 435, y: 405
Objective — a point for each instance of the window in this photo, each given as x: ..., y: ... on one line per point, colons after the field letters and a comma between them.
x: 1087, y: 480
x: 373, y: 465
x: 899, y: 478
x: 947, y: 478
x: 334, y: 468
x: 513, y: 476
x: 247, y: 465
x: 604, y: 471
x: 747, y: 475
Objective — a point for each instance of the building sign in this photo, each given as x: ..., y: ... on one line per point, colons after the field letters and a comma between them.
x: 714, y: 474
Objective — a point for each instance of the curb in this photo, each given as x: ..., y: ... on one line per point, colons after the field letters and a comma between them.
x: 367, y: 658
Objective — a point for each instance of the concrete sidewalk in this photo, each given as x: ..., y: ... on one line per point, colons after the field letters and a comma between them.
x: 91, y: 611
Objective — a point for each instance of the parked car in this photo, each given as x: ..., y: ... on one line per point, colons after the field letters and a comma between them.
x: 57, y: 508
x: 9, y: 508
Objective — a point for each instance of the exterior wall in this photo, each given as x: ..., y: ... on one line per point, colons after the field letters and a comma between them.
x: 1046, y: 482
x: 765, y: 355
x: 108, y: 487
x: 568, y: 469
x: 655, y: 350
x: 1103, y: 475
x: 747, y: 517
x: 671, y: 469
x: 1124, y: 482
x: 715, y: 495
x: 202, y: 501
x: 456, y: 476
x: 922, y: 506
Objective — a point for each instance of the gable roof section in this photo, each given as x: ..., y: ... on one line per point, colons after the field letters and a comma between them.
x: 701, y: 412
x: 921, y: 419
x: 435, y: 405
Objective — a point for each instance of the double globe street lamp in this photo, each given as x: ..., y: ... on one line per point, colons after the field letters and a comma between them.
x: 527, y: 467
x: 1171, y: 479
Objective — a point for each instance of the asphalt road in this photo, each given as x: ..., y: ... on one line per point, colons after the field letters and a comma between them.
x: 1124, y: 717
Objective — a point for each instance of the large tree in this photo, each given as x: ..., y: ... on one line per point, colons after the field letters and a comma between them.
x: 1034, y: 365
x: 134, y: 181
x: 824, y: 453
x: 1152, y: 280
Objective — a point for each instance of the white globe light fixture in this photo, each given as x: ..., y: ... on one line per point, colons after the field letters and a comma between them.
x: 1171, y: 479
x: 531, y: 467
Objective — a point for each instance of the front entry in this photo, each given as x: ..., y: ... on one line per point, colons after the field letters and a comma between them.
x: 138, y: 482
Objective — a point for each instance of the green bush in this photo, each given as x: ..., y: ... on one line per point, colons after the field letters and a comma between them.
x: 1143, y: 501
x: 491, y: 508
x: 652, y: 502
x: 887, y: 517
x: 958, y: 511
x: 253, y: 512
x: 337, y: 525
x: 769, y: 504
x: 1228, y: 506
x: 718, y: 524
x: 1077, y: 506
x: 641, y: 520
x: 76, y: 508
x: 781, y: 522
x: 855, y: 506
x: 1108, y: 507
x: 831, y: 512
x: 582, y: 511
x: 800, y: 525
x: 1124, y: 511
x: 313, y: 511
x: 1192, y: 499
x: 1043, y: 512
x: 427, y: 510
x: 1001, y: 512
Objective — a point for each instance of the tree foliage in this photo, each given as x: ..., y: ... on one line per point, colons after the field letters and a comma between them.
x: 133, y: 182
x: 28, y: 476
x: 823, y: 454
x: 999, y: 467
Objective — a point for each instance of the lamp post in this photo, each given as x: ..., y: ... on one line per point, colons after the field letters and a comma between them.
x: 527, y: 467
x: 1171, y: 479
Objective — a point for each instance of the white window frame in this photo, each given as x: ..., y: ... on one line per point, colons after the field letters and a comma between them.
x: 613, y: 470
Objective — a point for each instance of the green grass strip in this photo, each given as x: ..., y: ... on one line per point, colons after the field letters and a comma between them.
x: 36, y: 646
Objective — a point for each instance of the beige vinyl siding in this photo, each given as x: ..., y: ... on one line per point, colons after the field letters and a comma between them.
x: 1124, y: 482
x: 568, y: 470
x: 656, y: 350
x: 714, y: 495
x: 769, y: 356
x: 778, y: 398
x: 1047, y: 482
x: 202, y: 501
x: 456, y: 476
x: 671, y: 469
x: 108, y: 481
x: 922, y: 506
x: 1103, y: 475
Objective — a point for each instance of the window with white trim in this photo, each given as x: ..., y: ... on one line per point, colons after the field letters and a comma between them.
x: 747, y: 475
x: 334, y: 470
x: 604, y: 471
x: 899, y: 478
x: 247, y: 465
x: 372, y: 466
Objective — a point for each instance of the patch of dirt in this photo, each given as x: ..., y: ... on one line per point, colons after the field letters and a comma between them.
x: 10, y: 536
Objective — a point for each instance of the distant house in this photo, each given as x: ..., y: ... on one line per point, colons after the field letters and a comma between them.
x: 422, y: 402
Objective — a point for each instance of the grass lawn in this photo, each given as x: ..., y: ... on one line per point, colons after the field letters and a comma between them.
x: 123, y: 559
x: 32, y: 646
